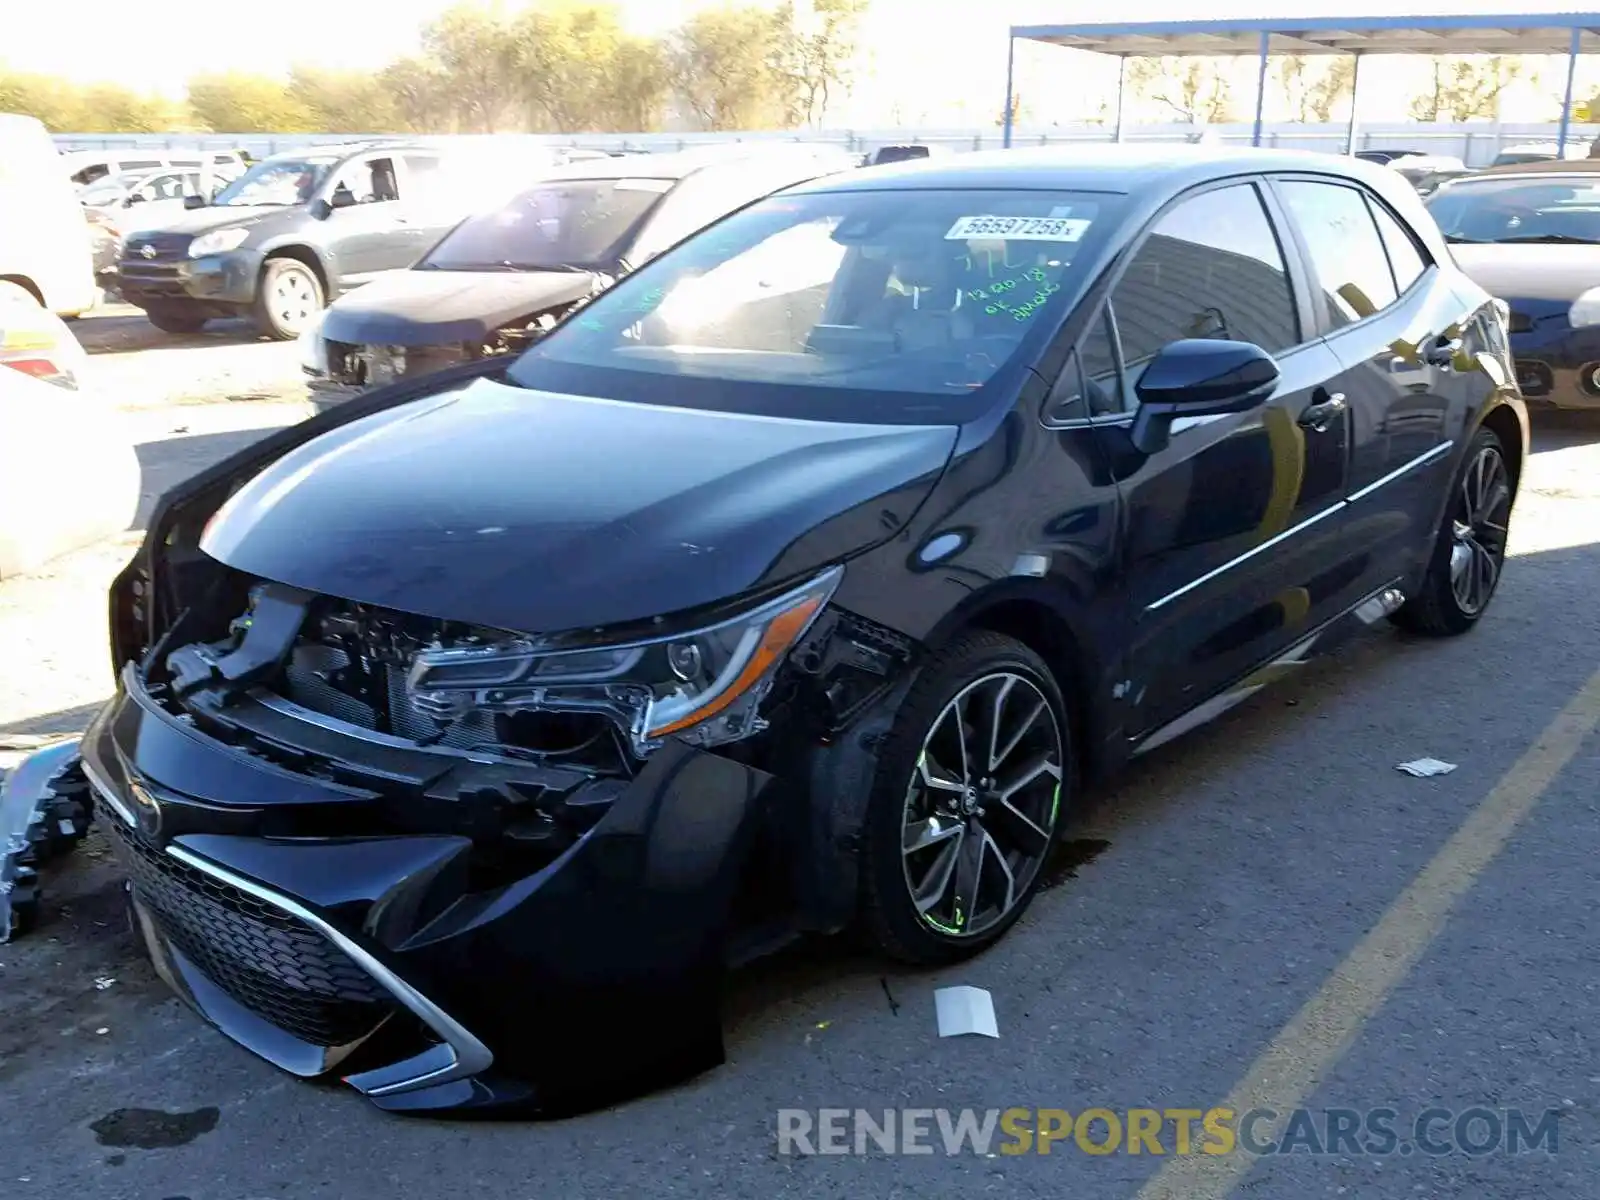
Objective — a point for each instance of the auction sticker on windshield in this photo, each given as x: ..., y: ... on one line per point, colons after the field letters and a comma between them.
x: 1022, y: 229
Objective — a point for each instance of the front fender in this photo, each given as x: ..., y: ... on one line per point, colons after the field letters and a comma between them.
x: 162, y: 580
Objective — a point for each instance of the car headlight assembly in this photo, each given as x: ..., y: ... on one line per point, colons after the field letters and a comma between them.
x: 703, y: 685
x: 218, y: 241
x: 1585, y: 309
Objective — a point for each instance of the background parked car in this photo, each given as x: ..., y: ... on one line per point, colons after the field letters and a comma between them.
x: 298, y: 229
x: 153, y: 197
x: 44, y: 240
x: 68, y: 472
x: 503, y: 277
x: 1529, y: 233
x: 89, y: 166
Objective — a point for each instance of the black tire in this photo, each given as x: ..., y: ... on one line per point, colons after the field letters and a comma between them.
x: 1441, y: 608
x: 176, y: 319
x: 288, y: 297
x: 890, y: 915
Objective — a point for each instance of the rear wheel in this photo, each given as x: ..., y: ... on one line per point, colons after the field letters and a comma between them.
x: 1469, y: 552
x: 288, y: 299
x: 176, y: 319
x: 967, y: 799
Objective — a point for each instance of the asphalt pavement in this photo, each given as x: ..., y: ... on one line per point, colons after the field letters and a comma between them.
x: 1265, y: 915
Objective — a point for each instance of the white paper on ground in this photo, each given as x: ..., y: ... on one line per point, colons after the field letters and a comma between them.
x: 1425, y: 768
x: 963, y: 1010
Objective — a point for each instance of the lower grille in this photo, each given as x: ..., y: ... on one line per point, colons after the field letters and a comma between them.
x: 270, y: 962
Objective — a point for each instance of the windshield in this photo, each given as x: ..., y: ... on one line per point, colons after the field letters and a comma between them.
x: 865, y: 306
x: 1563, y: 208
x: 281, y: 183
x: 560, y: 224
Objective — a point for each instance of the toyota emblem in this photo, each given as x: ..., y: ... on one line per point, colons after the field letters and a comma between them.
x: 148, y: 251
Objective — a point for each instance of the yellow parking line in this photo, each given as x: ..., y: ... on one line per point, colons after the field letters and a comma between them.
x: 1292, y: 1065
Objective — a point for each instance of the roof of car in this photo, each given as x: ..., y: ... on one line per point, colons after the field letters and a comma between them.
x: 1558, y: 166
x: 678, y: 164
x: 1102, y: 167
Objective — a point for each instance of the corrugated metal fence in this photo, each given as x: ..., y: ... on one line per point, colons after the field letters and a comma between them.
x: 1476, y: 144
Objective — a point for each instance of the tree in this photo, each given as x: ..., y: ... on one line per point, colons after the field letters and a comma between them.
x: 1314, y: 92
x: 49, y: 100
x: 345, y: 101
x: 473, y: 49
x: 563, y: 51
x: 109, y: 108
x: 1465, y: 89
x: 722, y: 68
x: 1192, y: 89
x: 419, y: 92
x: 234, y: 102
x: 641, y: 79
x: 816, y: 53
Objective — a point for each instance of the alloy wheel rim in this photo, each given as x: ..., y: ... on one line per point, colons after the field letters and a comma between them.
x: 981, y: 804
x: 1478, y: 531
x: 293, y: 300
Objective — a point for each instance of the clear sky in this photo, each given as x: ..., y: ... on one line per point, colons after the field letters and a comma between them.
x: 923, y: 62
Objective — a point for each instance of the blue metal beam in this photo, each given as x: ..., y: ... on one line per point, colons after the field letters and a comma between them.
x: 1122, y: 77
x: 1355, y: 95
x: 1011, y: 66
x: 1261, y: 86
x: 1566, y: 100
x: 1303, y: 26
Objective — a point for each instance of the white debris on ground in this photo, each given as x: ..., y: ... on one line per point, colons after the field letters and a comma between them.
x: 965, y: 1010
x: 1426, y: 768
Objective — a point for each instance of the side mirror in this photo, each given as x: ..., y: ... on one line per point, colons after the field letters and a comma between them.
x: 1198, y: 377
x: 342, y: 198
x: 136, y: 198
x: 321, y: 210
x: 194, y: 201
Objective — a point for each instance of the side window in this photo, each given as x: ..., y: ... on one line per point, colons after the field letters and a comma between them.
x: 1346, y: 250
x: 422, y: 167
x: 1404, y: 255
x: 1089, y: 385
x: 141, y: 164
x: 370, y: 182
x: 1211, y: 268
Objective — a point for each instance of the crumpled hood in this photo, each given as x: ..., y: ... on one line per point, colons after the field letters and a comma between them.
x: 539, y: 512
x: 1530, y: 271
x: 424, y: 307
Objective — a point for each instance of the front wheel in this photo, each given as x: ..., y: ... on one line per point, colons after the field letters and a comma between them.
x: 288, y: 299
x: 1469, y: 551
x: 967, y: 800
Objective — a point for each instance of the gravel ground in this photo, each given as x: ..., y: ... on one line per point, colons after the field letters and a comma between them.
x: 1234, y: 874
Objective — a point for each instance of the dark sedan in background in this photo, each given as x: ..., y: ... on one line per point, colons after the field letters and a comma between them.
x: 1529, y: 233
x: 504, y: 277
x: 466, y: 732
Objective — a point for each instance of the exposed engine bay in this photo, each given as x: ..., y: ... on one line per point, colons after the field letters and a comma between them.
x: 364, y: 366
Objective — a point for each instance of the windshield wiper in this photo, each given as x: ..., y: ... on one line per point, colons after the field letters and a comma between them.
x: 1565, y: 239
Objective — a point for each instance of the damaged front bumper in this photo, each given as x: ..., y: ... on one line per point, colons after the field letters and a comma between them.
x: 293, y: 912
x: 45, y: 809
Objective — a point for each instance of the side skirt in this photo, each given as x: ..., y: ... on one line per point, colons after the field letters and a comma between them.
x: 1368, y: 611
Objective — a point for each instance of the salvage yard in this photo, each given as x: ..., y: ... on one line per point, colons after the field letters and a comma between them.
x: 1230, y: 879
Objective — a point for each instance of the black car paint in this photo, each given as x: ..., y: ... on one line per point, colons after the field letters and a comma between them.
x: 437, y: 308
x: 1557, y: 364
x: 596, y: 976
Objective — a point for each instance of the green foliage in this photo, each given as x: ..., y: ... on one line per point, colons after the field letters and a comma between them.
x: 566, y: 66
x: 1465, y: 89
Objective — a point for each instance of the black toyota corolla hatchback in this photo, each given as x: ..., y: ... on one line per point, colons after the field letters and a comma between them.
x: 467, y: 732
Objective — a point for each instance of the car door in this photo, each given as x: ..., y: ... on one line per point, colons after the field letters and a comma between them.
x: 1397, y: 330
x: 367, y: 232
x: 429, y: 207
x: 1231, y: 533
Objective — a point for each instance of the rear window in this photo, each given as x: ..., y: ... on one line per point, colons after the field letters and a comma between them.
x: 890, y: 306
x: 1535, y: 208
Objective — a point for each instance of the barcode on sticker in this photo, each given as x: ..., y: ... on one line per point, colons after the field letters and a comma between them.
x: 1026, y: 229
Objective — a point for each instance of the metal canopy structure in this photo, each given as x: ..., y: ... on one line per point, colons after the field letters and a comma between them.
x: 1568, y: 33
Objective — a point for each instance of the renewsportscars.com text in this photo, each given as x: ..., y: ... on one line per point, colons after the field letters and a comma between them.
x: 1167, y: 1131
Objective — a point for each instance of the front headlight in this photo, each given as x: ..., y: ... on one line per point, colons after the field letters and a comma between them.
x: 1585, y: 309
x: 703, y: 685
x: 218, y: 241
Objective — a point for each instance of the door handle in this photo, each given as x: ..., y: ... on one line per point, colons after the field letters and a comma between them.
x: 1442, y: 353
x: 1322, y: 413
